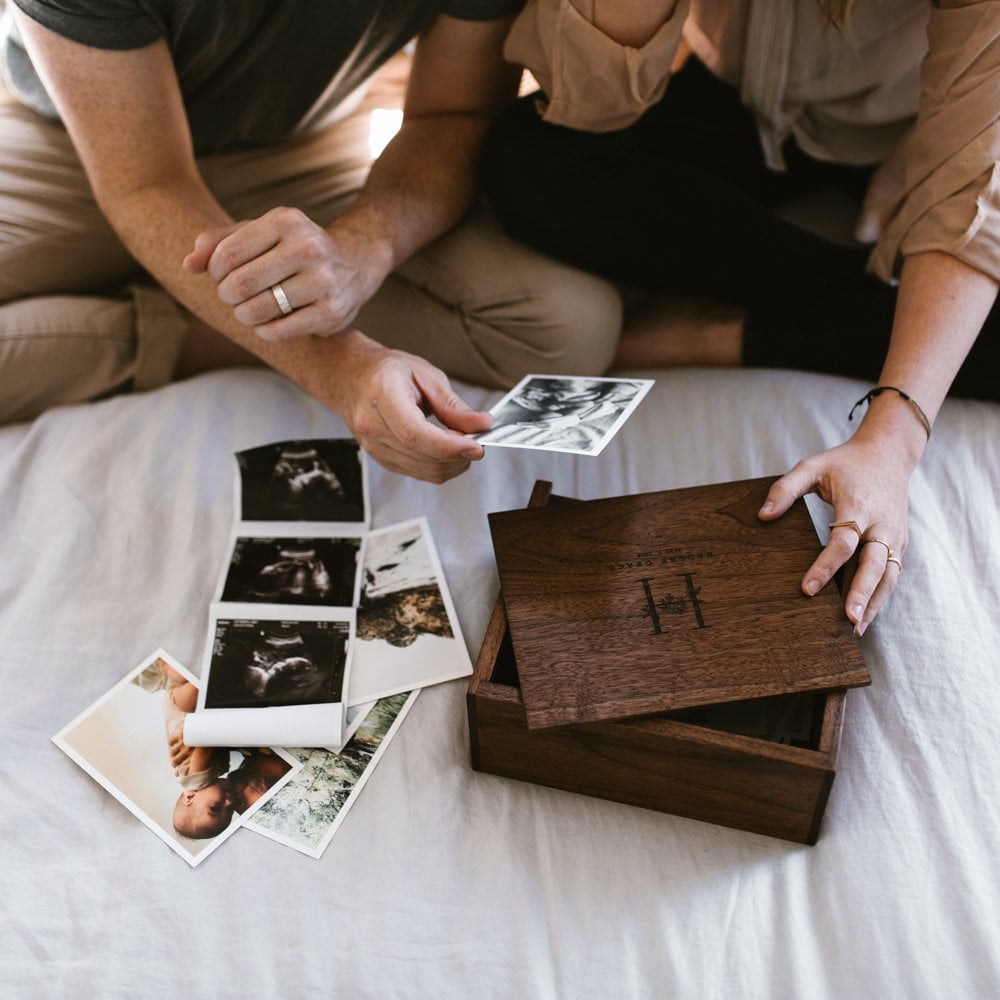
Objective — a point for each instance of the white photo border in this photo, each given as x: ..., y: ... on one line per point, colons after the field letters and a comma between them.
x: 643, y: 386
x: 318, y: 851
x: 174, y: 841
x: 366, y: 684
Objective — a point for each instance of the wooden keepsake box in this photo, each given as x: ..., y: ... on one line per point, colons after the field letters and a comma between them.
x: 656, y: 650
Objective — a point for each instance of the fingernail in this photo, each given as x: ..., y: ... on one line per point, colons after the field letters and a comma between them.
x: 767, y: 508
x: 470, y: 456
x: 811, y: 586
x: 857, y: 610
x: 859, y: 629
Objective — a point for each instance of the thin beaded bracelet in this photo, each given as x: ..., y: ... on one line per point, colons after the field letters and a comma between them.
x: 879, y: 389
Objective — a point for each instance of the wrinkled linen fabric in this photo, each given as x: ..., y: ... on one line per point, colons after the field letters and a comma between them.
x: 442, y: 882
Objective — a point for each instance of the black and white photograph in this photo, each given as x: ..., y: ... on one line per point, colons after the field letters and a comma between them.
x: 408, y: 635
x: 259, y: 662
x: 299, y: 571
x: 320, y: 480
x: 131, y: 741
x: 561, y: 413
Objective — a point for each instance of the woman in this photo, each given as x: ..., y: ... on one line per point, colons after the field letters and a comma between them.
x: 664, y: 151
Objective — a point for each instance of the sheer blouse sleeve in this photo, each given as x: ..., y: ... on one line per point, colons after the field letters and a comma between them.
x: 590, y: 81
x: 939, y: 189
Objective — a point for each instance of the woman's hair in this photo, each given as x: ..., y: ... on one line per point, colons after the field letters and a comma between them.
x: 838, y: 11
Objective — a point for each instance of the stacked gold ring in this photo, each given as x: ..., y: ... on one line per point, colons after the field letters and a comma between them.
x: 890, y: 556
x: 888, y: 548
x: 847, y: 524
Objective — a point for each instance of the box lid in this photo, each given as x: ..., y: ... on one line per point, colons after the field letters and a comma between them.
x: 639, y: 604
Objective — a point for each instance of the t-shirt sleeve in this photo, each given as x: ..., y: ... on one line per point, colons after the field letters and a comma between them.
x: 110, y: 24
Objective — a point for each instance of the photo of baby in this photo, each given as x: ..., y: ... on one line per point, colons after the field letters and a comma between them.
x: 131, y: 742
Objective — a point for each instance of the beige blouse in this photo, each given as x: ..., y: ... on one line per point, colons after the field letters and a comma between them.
x: 911, y: 84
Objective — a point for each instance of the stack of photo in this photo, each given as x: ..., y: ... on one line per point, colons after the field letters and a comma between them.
x: 321, y: 633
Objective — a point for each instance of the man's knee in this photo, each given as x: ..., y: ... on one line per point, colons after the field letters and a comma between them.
x: 489, y: 309
x: 572, y: 327
x: 60, y: 350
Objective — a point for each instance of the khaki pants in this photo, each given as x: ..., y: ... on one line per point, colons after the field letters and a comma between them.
x: 79, y: 320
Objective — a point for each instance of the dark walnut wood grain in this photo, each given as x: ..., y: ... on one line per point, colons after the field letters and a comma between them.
x: 636, y: 605
x: 655, y: 763
x: 690, y: 761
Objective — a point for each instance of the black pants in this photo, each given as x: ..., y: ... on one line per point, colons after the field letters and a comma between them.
x: 682, y: 204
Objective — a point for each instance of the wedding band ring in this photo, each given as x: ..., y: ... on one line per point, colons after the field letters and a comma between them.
x: 846, y: 524
x: 282, y: 299
x: 888, y: 547
x: 896, y: 561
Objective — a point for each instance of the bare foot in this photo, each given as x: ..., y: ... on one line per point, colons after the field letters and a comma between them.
x: 662, y: 332
x: 206, y: 350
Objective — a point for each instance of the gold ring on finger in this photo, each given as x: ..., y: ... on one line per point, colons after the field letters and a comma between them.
x: 847, y: 524
x: 888, y: 547
x: 893, y: 559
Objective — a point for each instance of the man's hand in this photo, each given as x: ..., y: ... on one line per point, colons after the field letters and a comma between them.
x: 326, y: 275
x: 423, y: 184
x: 125, y: 113
x: 385, y: 397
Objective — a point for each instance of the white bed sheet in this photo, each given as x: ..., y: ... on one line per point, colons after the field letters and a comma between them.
x: 441, y: 882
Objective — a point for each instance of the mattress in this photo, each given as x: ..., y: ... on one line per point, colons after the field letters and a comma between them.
x: 441, y: 882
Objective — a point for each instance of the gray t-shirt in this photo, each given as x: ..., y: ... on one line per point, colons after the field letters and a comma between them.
x: 251, y: 72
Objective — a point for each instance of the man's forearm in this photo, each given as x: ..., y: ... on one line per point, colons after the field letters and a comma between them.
x: 427, y: 178
x: 424, y: 182
x: 159, y: 225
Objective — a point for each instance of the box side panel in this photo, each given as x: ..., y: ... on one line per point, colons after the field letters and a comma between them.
x: 833, y: 725
x: 697, y: 778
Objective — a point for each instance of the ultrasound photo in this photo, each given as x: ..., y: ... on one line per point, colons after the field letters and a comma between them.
x: 558, y: 413
x: 259, y: 663
x: 303, y: 480
x: 311, y: 571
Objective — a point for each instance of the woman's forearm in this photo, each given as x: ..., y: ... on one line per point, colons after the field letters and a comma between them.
x: 941, y: 307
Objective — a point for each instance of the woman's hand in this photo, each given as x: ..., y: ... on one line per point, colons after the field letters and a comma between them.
x: 286, y: 277
x: 940, y: 310
x: 866, y: 481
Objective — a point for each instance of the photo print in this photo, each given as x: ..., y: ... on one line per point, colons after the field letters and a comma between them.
x: 310, y: 809
x: 562, y: 413
x: 318, y: 480
x: 295, y: 571
x: 408, y: 634
x: 131, y: 742
x: 261, y: 662
x: 355, y: 715
x: 275, y: 679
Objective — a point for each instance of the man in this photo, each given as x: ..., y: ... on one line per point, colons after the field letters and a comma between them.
x: 181, y: 117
